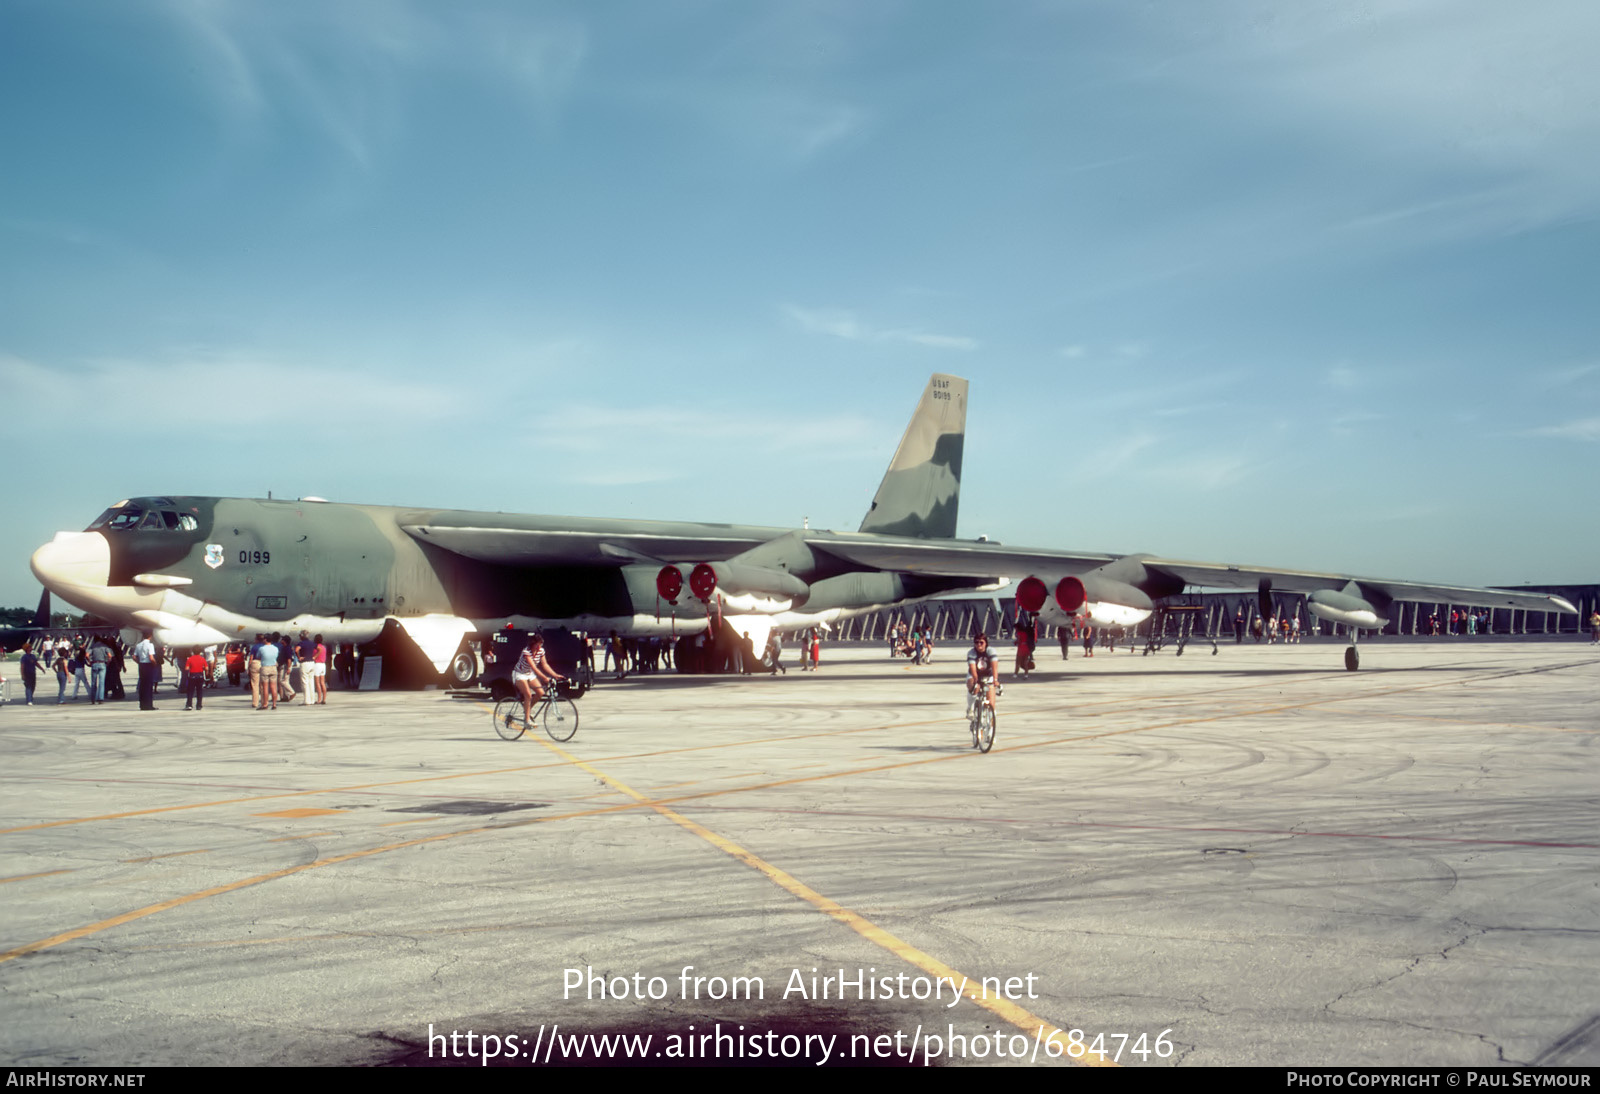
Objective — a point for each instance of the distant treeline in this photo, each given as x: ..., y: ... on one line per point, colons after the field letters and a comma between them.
x: 22, y: 617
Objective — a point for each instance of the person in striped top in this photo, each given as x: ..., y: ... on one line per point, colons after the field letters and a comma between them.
x: 532, y: 672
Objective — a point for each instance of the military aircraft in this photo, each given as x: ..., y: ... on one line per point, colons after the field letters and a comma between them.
x: 198, y: 571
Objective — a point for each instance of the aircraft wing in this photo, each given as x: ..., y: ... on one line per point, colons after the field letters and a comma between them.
x: 606, y: 543
x: 951, y: 558
x: 1231, y: 576
x: 585, y: 543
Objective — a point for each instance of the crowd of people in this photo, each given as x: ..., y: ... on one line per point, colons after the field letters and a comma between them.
x: 95, y: 667
x: 916, y: 644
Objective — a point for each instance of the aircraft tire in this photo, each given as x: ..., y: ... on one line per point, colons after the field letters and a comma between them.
x: 463, y: 668
x: 1352, y: 658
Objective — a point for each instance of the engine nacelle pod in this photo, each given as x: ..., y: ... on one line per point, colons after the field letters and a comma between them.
x: 1106, y: 602
x: 669, y: 583
x: 1347, y: 608
x: 1031, y: 593
x: 703, y: 580
x: 764, y: 589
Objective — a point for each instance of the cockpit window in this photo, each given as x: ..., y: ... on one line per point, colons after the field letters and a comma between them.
x: 187, y: 522
x: 171, y: 518
x: 100, y: 521
x: 152, y: 520
x: 127, y: 518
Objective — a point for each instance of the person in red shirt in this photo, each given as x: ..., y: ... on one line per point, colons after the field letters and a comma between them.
x: 195, y: 682
x: 319, y: 669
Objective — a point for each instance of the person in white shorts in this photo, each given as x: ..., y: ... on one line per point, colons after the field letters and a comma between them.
x: 532, y: 672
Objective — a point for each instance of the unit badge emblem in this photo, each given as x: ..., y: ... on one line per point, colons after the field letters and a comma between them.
x: 213, y: 555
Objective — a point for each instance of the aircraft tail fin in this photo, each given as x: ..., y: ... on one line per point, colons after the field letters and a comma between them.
x: 922, y: 488
x: 41, y: 618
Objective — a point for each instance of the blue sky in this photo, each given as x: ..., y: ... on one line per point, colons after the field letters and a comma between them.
x: 1310, y: 285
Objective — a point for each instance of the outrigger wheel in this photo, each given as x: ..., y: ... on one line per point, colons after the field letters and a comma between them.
x: 1352, y: 658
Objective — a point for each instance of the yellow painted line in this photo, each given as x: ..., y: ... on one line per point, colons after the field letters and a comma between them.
x: 1005, y: 1009
x: 1078, y: 708
x: 245, y: 883
x: 656, y: 805
x: 46, y: 873
x: 170, y: 854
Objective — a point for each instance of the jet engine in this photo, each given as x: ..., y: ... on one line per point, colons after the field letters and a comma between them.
x: 1353, y: 606
x: 1031, y: 593
x: 735, y: 586
x: 1107, y: 602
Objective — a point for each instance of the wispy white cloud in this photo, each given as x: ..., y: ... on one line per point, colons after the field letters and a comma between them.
x: 1343, y: 378
x: 589, y: 429
x: 844, y: 324
x: 1561, y: 377
x: 1199, y: 471
x: 1345, y: 425
x: 345, y: 69
x: 1436, y: 119
x: 1584, y: 429
x: 165, y: 406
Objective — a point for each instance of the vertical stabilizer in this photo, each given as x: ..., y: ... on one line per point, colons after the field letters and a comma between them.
x: 920, y: 491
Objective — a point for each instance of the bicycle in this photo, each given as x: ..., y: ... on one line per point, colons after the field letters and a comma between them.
x: 556, y: 711
x: 983, y: 719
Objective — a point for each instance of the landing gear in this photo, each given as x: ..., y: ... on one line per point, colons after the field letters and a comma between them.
x: 463, y: 668
x: 1352, y: 657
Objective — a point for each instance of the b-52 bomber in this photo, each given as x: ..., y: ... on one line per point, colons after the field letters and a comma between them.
x: 198, y: 571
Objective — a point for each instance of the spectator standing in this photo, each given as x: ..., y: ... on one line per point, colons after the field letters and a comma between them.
x: 60, y: 665
x: 30, y: 672
x: 99, y: 659
x: 319, y: 668
x: 144, y: 655
x: 305, y: 654
x: 195, y: 680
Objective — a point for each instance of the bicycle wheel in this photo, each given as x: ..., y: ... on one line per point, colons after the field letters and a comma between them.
x: 985, y: 729
x: 560, y: 718
x: 508, y: 721
x: 972, y: 726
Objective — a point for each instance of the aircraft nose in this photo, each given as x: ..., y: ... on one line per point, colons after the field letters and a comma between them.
x: 80, y: 559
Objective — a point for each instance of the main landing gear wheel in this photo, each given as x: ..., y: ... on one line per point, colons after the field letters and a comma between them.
x: 463, y: 669
x: 508, y: 719
x: 1352, y: 658
x: 561, y: 719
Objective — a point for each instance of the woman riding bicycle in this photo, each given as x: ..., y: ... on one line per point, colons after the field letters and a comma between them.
x: 983, y: 669
x: 531, y: 673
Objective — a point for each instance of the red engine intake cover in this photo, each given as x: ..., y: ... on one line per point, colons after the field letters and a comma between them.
x: 669, y: 583
x: 1031, y: 594
x: 703, y: 581
x: 1071, y: 595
